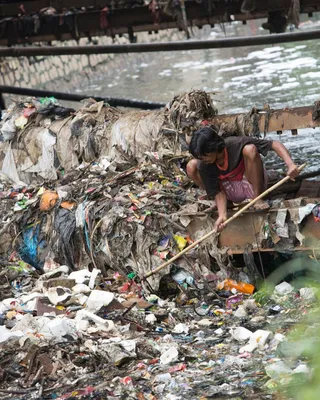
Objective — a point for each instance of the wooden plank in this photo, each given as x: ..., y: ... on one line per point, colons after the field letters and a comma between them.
x: 309, y: 189
x: 279, y: 120
x: 288, y: 119
x: 268, y: 250
x: 245, y: 230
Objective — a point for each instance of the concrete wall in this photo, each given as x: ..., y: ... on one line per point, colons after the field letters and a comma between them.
x: 65, y: 73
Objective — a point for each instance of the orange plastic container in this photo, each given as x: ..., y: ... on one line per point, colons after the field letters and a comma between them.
x: 242, y: 287
x: 48, y: 200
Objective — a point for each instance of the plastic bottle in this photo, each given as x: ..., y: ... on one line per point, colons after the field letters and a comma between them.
x: 242, y: 287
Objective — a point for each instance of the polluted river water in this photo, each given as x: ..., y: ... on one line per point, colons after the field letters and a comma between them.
x: 283, y: 75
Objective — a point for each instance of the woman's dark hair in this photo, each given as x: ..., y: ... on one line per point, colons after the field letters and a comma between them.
x: 206, y: 140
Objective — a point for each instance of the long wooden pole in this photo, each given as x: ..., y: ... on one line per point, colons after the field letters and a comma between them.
x: 236, y: 215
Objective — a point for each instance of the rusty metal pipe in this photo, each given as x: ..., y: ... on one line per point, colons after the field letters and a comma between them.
x: 115, y: 102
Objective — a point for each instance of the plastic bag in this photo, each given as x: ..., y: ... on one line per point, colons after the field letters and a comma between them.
x: 45, y: 165
x: 9, y: 166
x: 8, y: 130
x: 21, y: 122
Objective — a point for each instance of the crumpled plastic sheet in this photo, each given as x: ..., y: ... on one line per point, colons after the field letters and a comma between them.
x: 29, y: 249
x: 45, y: 163
x: 65, y: 224
x: 119, y: 224
x: 9, y: 166
x: 95, y: 131
x: 64, y: 140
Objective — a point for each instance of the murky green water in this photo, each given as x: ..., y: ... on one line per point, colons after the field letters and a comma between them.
x: 280, y: 75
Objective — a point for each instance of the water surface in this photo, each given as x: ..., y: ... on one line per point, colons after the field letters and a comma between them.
x: 285, y: 75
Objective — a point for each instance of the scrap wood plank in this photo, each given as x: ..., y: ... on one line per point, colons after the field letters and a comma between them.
x: 309, y: 189
x: 233, y: 252
x: 246, y: 228
x: 279, y: 120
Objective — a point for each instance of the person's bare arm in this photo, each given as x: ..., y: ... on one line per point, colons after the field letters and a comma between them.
x: 283, y: 153
x: 221, y: 201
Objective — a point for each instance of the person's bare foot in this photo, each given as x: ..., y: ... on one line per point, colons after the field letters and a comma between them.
x: 261, y: 205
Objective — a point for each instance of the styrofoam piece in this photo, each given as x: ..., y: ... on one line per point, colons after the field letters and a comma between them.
x: 241, y: 334
x: 308, y: 294
x: 205, y: 322
x: 181, y: 328
x: 82, y: 325
x: 105, y: 324
x: 62, y: 270
x: 284, y: 288
x: 241, y: 312
x: 98, y: 299
x: 81, y: 288
x: 151, y: 318
x: 169, y: 356
x: 7, y: 334
x: 58, y: 295
x: 302, y: 369
x: 258, y: 339
x: 59, y: 327
x: 81, y: 276
x: 94, y: 274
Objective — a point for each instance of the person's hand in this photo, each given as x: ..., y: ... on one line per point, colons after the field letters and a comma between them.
x: 220, y: 223
x: 293, y: 171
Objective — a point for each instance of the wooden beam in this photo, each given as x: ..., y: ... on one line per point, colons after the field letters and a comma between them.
x: 232, y: 252
x: 246, y: 229
x: 279, y: 120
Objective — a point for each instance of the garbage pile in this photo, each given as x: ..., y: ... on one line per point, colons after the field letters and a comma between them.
x: 90, y: 202
x: 99, y: 187
x: 40, y: 140
x: 67, y: 335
